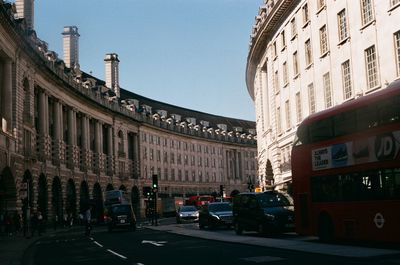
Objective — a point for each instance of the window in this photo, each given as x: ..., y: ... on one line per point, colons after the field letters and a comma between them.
x: 308, y: 52
x: 323, y: 40
x: 285, y: 74
x: 321, y: 4
x: 293, y: 27
x: 372, y: 67
x: 346, y: 79
x: 274, y: 51
x: 306, y: 16
x: 397, y: 50
x: 311, y: 97
x: 367, y: 14
x: 276, y: 81
x: 327, y: 90
x: 283, y: 40
x: 295, y: 64
x: 151, y: 154
x: 342, y: 25
x: 394, y: 2
x: 278, y: 120
x: 298, y: 108
x: 287, y: 111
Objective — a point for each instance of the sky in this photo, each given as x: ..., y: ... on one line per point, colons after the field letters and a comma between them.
x: 188, y: 53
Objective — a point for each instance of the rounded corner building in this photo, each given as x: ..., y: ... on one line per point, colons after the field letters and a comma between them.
x: 309, y: 55
x: 67, y: 137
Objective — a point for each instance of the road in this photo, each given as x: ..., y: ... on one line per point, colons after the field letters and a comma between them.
x: 147, y: 246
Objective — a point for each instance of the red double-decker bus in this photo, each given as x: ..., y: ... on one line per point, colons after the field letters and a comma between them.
x: 346, y: 170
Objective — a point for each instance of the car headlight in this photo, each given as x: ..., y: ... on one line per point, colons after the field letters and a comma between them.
x: 270, y: 217
x: 215, y: 216
x: 180, y: 215
x: 196, y: 214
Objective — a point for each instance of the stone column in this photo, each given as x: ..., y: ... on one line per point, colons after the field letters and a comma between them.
x: 57, y: 120
x: 7, y: 94
x: 110, y: 147
x: 71, y: 136
x: 85, y: 141
x: 42, y: 114
x: 98, y: 147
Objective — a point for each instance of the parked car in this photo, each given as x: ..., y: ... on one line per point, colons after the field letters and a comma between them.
x: 187, y: 213
x: 264, y: 212
x: 216, y: 214
x: 120, y: 216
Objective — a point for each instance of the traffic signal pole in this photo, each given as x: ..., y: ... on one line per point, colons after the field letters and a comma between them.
x: 155, y: 191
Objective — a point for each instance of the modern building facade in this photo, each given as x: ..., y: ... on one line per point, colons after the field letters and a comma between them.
x: 309, y: 55
x: 67, y: 136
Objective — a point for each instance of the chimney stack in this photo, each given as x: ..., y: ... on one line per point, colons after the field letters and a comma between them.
x: 25, y: 10
x: 112, y: 72
x: 71, y: 46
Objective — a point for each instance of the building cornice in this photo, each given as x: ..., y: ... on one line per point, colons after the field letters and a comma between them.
x: 260, y: 39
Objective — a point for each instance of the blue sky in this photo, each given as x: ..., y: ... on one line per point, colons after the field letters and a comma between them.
x: 189, y: 53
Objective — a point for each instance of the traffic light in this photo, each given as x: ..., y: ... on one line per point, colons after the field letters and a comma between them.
x: 221, y: 190
x: 155, y: 183
x: 146, y: 191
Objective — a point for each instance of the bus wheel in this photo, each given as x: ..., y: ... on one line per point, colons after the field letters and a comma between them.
x: 238, y: 229
x: 326, y: 229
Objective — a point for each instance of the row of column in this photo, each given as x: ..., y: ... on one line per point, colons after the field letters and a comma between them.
x: 72, y: 134
x: 6, y: 93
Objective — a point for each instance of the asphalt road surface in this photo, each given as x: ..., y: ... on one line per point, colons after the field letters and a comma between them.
x: 150, y: 247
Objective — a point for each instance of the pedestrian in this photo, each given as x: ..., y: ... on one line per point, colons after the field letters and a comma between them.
x: 8, y: 224
x: 65, y: 220
x: 40, y: 222
x: 17, y: 222
x: 25, y: 223
x: 2, y: 217
x: 34, y: 223
x: 55, y: 222
x: 87, y: 220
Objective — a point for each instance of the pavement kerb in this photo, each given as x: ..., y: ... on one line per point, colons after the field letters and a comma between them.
x: 293, y: 245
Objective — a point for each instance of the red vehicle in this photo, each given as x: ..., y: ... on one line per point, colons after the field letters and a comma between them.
x: 346, y: 170
x: 199, y: 200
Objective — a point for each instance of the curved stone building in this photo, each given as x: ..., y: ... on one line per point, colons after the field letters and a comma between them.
x: 309, y: 55
x: 67, y: 136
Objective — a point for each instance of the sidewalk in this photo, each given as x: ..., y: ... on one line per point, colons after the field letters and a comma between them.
x: 12, y: 247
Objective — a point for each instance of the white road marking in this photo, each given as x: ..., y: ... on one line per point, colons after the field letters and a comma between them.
x: 116, y: 254
x: 97, y: 243
x: 155, y: 243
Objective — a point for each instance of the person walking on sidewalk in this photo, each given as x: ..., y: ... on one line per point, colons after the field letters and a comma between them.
x: 87, y: 219
x: 34, y: 224
x: 40, y: 223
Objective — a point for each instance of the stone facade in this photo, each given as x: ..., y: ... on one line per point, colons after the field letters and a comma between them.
x: 66, y: 138
x: 306, y: 56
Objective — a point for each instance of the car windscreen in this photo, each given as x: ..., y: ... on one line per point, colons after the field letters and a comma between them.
x: 188, y: 209
x: 121, y: 209
x: 220, y: 207
x: 204, y: 199
x: 273, y: 200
